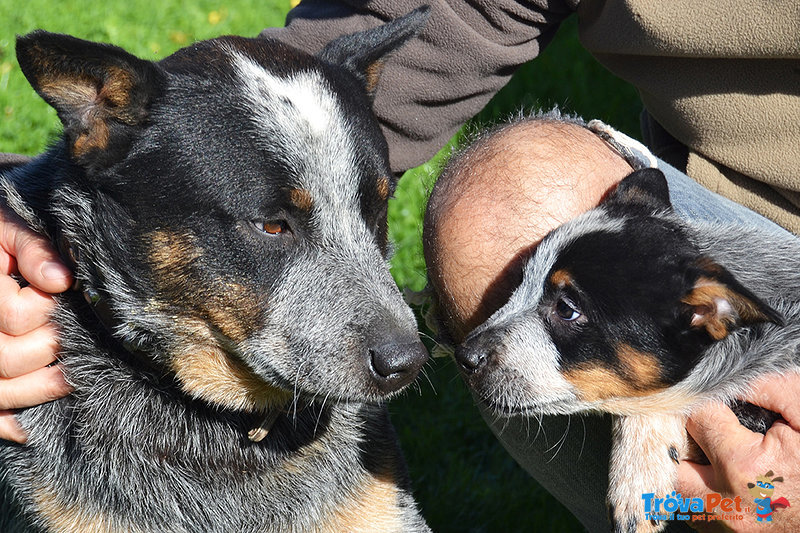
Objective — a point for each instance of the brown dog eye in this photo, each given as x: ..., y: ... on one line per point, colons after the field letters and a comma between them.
x: 272, y: 227
x: 566, y: 310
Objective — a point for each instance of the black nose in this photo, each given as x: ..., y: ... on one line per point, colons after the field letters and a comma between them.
x: 395, y: 365
x: 471, y: 357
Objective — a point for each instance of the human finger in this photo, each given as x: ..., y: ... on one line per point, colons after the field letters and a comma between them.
x: 10, y: 428
x: 779, y: 393
x: 34, y: 388
x: 694, y: 479
x: 717, y: 431
x: 36, y: 259
x: 25, y: 353
x: 22, y: 309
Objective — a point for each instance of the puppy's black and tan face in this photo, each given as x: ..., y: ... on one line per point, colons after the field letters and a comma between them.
x: 233, y: 207
x: 615, y: 305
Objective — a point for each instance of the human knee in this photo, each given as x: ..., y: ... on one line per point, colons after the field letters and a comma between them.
x: 495, y: 200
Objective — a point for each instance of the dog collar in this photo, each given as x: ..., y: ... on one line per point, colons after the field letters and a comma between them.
x: 258, y: 433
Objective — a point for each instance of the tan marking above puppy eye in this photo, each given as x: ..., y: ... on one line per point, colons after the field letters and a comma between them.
x: 561, y: 278
x: 383, y: 187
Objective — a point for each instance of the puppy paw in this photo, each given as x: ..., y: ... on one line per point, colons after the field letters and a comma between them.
x: 644, y: 456
x: 625, y: 519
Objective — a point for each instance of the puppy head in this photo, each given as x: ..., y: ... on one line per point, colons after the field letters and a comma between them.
x: 229, y: 203
x: 617, y: 304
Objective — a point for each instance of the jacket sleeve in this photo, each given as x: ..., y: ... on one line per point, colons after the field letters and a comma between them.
x: 429, y: 88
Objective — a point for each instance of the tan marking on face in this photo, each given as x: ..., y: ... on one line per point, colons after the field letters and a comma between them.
x: 233, y: 310
x: 372, y: 509
x: 641, y: 368
x: 172, y: 251
x: 207, y: 372
x: 229, y: 307
x: 597, y: 382
x: 301, y: 199
x: 637, y: 374
x: 70, y: 518
x: 201, y: 312
x: 561, y: 278
x: 383, y: 187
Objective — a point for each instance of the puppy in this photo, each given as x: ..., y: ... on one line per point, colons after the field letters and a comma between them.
x: 630, y: 310
x: 236, y: 329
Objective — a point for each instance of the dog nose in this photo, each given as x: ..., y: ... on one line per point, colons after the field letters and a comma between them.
x: 396, y: 364
x: 471, y: 357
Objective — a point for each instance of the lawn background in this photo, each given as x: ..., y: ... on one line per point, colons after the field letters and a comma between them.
x: 462, y: 478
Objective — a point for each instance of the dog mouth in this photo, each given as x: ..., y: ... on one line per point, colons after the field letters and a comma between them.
x: 507, y: 409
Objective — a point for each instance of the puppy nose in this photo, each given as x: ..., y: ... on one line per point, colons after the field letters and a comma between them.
x: 396, y: 364
x: 471, y: 357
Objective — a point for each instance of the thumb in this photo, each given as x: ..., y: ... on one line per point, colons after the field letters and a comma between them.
x: 717, y: 430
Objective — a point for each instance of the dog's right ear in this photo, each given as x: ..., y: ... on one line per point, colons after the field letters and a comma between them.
x: 717, y: 303
x: 101, y: 92
x: 364, y: 54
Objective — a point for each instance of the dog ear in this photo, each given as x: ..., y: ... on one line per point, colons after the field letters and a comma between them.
x: 101, y: 92
x: 364, y: 54
x: 646, y: 187
x: 718, y: 304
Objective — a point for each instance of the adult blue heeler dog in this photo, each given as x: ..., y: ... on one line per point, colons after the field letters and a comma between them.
x: 236, y: 329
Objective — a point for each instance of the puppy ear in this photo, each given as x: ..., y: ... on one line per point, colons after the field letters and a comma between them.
x: 101, y: 92
x: 646, y: 187
x: 718, y: 304
x: 364, y: 54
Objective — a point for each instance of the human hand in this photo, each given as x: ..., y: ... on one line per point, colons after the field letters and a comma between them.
x: 28, y: 341
x: 738, y: 456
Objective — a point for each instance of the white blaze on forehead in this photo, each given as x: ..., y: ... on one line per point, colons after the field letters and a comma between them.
x: 302, y: 101
x: 297, y: 118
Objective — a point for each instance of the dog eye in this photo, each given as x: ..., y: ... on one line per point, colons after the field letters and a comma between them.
x: 271, y: 227
x: 566, y: 310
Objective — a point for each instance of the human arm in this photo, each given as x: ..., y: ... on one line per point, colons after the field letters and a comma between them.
x: 738, y: 455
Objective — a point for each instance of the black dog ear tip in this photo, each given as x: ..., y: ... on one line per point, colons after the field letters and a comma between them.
x: 423, y: 10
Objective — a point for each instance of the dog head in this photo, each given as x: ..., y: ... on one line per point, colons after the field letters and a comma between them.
x: 617, y: 304
x: 229, y: 205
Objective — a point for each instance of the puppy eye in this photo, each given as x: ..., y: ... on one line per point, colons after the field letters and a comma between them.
x: 271, y: 227
x: 566, y: 310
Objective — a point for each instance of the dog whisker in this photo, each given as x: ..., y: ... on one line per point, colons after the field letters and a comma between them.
x: 560, y: 442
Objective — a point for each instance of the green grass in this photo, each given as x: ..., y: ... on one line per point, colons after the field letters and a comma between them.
x: 463, y: 480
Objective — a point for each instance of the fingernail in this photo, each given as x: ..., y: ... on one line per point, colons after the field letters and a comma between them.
x: 54, y: 270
